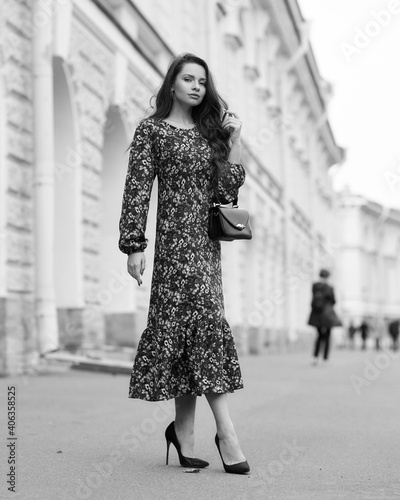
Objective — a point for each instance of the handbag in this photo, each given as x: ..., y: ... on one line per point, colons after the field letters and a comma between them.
x: 229, y: 223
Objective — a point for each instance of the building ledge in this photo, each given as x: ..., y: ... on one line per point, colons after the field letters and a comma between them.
x: 233, y: 41
x: 251, y: 72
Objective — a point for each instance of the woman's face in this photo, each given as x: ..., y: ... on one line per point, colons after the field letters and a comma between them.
x: 190, y: 84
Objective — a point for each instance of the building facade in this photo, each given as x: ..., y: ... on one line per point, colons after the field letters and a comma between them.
x: 76, y: 79
x: 368, y: 262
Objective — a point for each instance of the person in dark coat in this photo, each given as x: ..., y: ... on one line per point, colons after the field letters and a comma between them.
x: 323, y: 315
x: 364, y: 329
x: 351, y: 333
x: 394, y: 330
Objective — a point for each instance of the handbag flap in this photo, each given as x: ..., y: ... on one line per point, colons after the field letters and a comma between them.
x: 236, y: 217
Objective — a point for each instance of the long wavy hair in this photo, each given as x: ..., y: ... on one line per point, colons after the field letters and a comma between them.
x: 207, y: 115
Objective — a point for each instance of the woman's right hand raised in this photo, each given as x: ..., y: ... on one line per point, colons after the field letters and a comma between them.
x: 137, y: 265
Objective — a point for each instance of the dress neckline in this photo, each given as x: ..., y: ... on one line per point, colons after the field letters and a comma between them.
x: 178, y: 128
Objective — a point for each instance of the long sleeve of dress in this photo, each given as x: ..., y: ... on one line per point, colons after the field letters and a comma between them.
x: 229, y: 182
x: 137, y: 191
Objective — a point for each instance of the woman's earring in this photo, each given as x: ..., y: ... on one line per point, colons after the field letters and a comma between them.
x: 172, y: 92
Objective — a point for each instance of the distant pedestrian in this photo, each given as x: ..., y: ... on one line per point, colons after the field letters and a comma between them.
x: 323, y: 315
x: 351, y: 332
x: 378, y: 331
x: 364, y: 330
x: 394, y: 330
x: 192, y: 144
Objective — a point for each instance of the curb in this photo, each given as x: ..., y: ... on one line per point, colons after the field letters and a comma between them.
x: 105, y: 366
x: 79, y: 362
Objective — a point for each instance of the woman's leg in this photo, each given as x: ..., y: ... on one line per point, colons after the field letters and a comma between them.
x: 228, y: 441
x: 185, y: 407
x: 327, y: 343
x: 317, y: 342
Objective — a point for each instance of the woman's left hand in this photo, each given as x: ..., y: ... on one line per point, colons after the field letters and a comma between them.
x: 232, y: 122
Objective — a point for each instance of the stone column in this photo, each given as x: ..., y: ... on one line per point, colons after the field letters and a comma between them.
x: 45, y: 308
x: 287, y: 240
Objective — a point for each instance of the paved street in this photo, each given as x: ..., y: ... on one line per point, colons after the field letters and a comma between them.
x: 326, y: 432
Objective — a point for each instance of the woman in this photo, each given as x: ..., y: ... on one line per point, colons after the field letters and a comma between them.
x: 323, y: 316
x: 187, y: 348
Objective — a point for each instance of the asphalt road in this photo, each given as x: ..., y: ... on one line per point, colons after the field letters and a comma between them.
x: 326, y: 432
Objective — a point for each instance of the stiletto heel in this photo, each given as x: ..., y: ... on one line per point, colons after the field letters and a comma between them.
x: 170, y: 437
x: 168, y: 444
x: 239, y: 468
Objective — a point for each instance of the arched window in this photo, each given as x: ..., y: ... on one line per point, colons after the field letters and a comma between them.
x: 68, y: 273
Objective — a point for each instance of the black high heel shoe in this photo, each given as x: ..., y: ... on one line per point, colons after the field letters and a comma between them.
x: 239, y: 468
x: 170, y: 436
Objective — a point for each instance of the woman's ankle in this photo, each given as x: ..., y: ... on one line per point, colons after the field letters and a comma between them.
x: 184, y: 427
x: 226, y: 432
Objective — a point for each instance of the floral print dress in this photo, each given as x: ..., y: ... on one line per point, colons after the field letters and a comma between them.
x: 187, y: 347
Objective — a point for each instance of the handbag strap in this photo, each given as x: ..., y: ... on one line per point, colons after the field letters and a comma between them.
x: 218, y: 201
x: 234, y: 203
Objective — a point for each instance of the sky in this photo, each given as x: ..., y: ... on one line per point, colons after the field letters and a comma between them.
x: 357, y: 47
